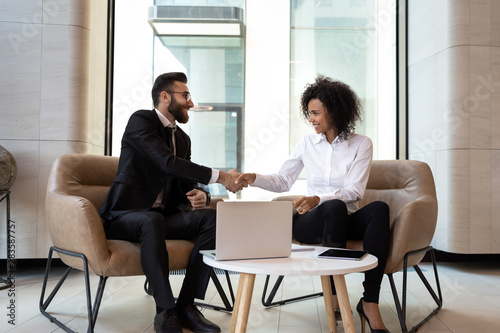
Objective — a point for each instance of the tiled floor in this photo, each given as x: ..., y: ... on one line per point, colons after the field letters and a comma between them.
x: 471, y: 293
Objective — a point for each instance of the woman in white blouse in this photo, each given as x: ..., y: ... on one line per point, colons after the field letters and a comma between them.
x: 337, y: 163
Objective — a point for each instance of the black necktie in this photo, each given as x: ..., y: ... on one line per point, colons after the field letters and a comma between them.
x: 171, y: 131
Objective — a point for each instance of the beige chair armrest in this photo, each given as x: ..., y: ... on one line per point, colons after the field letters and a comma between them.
x: 75, y: 225
x: 412, y: 229
x: 287, y: 197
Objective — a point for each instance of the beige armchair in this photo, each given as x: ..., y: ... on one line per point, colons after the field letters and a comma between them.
x: 76, y: 189
x: 408, y: 188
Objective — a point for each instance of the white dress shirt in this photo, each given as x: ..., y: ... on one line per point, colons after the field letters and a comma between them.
x: 338, y: 170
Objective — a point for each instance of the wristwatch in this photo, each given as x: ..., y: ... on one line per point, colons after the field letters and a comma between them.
x: 209, y: 198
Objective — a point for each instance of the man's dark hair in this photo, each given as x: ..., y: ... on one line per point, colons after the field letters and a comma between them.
x: 342, y: 105
x: 164, y: 82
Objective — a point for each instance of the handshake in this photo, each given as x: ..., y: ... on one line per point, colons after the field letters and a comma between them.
x: 234, y: 181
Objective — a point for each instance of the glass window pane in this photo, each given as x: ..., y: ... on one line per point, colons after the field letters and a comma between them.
x: 352, y: 14
x: 345, y: 40
x: 214, y: 67
x: 330, y: 53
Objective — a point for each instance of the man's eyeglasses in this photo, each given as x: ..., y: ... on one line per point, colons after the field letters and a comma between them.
x: 186, y: 95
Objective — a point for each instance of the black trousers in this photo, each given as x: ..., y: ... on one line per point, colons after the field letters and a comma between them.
x: 150, y: 229
x: 331, y: 225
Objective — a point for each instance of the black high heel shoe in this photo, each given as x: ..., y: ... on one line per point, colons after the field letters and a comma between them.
x: 338, y: 316
x: 364, y: 318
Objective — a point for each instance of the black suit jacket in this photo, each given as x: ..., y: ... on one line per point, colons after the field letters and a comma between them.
x: 147, y: 165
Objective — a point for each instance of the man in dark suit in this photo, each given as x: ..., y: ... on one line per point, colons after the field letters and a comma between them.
x: 155, y: 197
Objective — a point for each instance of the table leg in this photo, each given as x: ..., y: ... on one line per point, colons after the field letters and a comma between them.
x: 327, y: 297
x: 345, y: 306
x: 236, y: 306
x: 241, y: 309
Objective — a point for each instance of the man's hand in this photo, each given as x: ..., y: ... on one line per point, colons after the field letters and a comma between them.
x: 245, y: 179
x: 227, y: 179
x: 197, y: 198
x: 305, y: 204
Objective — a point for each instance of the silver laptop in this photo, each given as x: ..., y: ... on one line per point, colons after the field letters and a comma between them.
x: 252, y: 230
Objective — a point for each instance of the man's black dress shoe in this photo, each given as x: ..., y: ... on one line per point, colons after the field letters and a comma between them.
x: 167, y: 322
x: 190, y: 317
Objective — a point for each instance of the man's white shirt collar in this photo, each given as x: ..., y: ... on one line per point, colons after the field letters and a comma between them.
x: 164, y: 120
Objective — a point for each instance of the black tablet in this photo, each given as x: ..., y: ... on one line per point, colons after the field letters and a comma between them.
x: 345, y: 254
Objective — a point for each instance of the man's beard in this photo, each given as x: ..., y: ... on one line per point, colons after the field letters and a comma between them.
x: 176, y: 109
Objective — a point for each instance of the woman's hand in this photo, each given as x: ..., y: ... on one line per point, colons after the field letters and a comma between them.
x: 305, y: 204
x: 245, y: 179
x: 197, y: 198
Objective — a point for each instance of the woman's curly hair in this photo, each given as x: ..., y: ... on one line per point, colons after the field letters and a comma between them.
x: 340, y: 101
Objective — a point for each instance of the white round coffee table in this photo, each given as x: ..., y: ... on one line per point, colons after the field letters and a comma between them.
x: 302, y: 262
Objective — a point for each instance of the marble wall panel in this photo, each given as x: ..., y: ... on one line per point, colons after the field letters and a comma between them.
x: 64, y: 107
x: 27, y: 11
x: 20, y: 59
x: 96, y: 150
x: 494, y: 88
x: 480, y: 22
x: 68, y: 12
x: 442, y: 121
x: 495, y: 199
x: 98, y: 21
x: 459, y: 22
x: 458, y: 219
x: 480, y: 201
x: 467, y: 101
x: 495, y: 23
x: 98, y: 73
x: 52, y: 93
x: 43, y: 245
x: 479, y: 100
x: 457, y: 112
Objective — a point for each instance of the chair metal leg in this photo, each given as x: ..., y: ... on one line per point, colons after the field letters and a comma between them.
x: 269, y: 301
x: 98, y: 297
x: 401, y: 307
x: 92, y: 312
x: 227, y: 305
